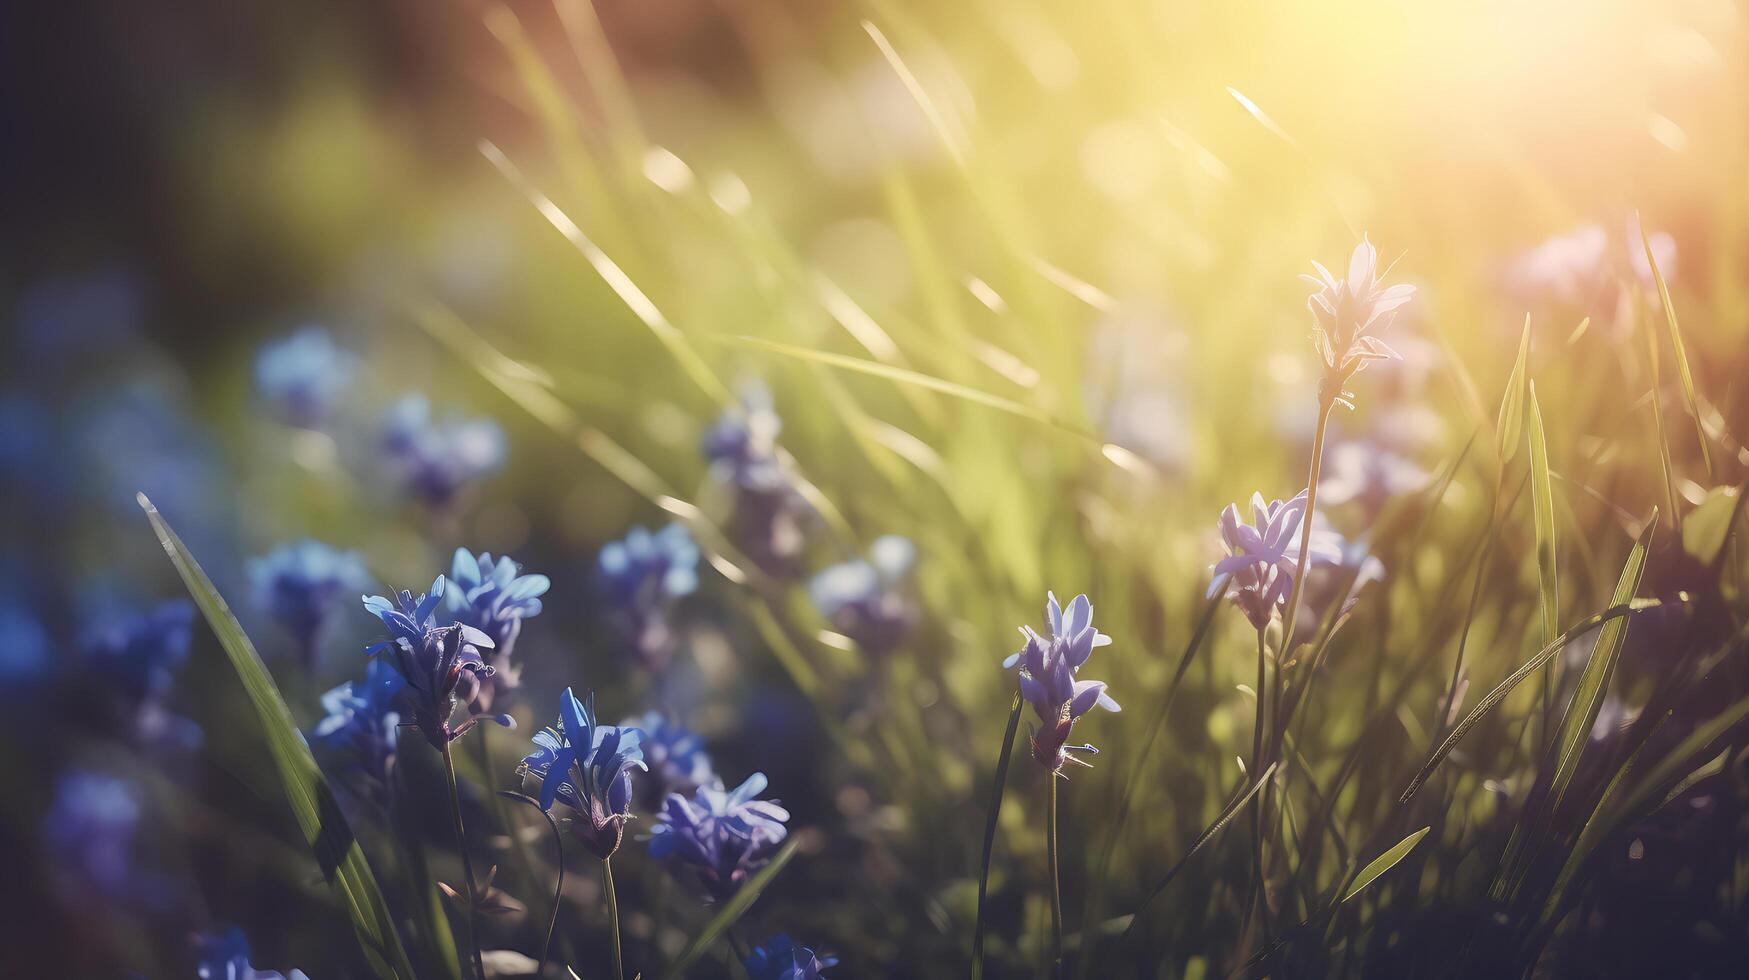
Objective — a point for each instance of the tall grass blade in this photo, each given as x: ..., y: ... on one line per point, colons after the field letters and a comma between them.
x: 1664, y: 461
x: 1511, y: 419
x: 1682, y: 370
x: 731, y: 911
x: 998, y: 787
x: 312, y: 800
x: 1384, y: 862
x: 1225, y: 817
x: 1543, y: 505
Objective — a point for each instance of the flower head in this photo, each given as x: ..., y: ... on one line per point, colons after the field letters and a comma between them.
x: 743, y: 452
x: 1048, y: 682
x: 90, y: 829
x: 440, y: 663
x: 437, y: 462
x: 1263, y: 557
x: 779, y: 958
x: 863, y: 598
x: 587, y: 767
x: 300, y: 378
x: 302, y: 584
x: 641, y: 576
x: 675, y: 757
x: 719, y: 837
x: 1368, y: 474
x: 225, y: 956
x: 1349, y: 314
x: 137, y: 655
x: 363, y: 719
x: 494, y: 598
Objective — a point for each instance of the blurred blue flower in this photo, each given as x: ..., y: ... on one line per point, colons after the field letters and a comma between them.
x: 642, y: 575
x: 719, y: 837
x: 587, y: 767
x: 302, y: 584
x: 438, y: 462
x: 675, y: 757
x: 90, y: 830
x: 301, y: 378
x: 1263, y: 557
x: 362, y: 720
x: 225, y: 956
x: 440, y: 663
x: 863, y: 598
x: 1368, y: 476
x: 1048, y: 668
x: 494, y: 598
x: 743, y: 452
x: 137, y: 656
x: 781, y: 959
x: 1340, y: 569
x: 24, y: 646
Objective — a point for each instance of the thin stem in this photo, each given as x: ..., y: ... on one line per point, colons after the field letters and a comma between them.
x: 461, y: 842
x: 1457, y: 664
x: 1056, y: 887
x: 1293, y: 599
x: 996, y: 791
x: 619, y: 970
x: 546, y: 945
x: 1257, y: 767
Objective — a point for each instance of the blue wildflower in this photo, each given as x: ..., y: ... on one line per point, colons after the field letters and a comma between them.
x: 362, y: 720
x: 719, y: 837
x: 642, y: 576
x: 675, y: 757
x: 863, y: 599
x: 1048, y: 667
x: 1263, y: 557
x: 494, y: 598
x: 743, y: 452
x: 781, y: 959
x: 90, y: 829
x: 302, y: 584
x: 440, y: 663
x: 587, y: 767
x: 437, y: 462
x: 137, y: 655
x: 24, y: 646
x: 225, y: 956
x: 302, y: 377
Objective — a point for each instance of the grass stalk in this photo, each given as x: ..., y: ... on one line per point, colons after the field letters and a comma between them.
x: 461, y: 843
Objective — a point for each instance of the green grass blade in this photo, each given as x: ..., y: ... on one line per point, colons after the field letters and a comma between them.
x: 999, y: 786
x: 731, y: 911
x: 1676, y: 344
x: 1511, y: 419
x: 312, y: 800
x: 1543, y: 504
x: 1384, y: 862
x: 1664, y: 461
x: 1226, y: 817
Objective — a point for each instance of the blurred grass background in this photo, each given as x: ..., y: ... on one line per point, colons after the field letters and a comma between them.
x: 1094, y: 213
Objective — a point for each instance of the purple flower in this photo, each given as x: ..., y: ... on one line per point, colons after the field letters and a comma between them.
x: 1263, y: 557
x: 363, y: 720
x: 437, y: 462
x: 225, y: 956
x: 494, y: 598
x: 138, y: 656
x: 1348, y: 315
x: 642, y: 576
x: 587, y: 768
x: 1048, y: 668
x: 719, y: 837
x: 302, y: 377
x: 743, y: 452
x: 779, y: 958
x: 302, y: 584
x: 864, y: 599
x: 675, y: 756
x: 440, y: 663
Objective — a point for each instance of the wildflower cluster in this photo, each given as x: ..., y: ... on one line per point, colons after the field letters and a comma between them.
x: 302, y: 585
x: 586, y: 767
x: 493, y: 597
x: 642, y: 576
x: 441, y: 663
x: 717, y: 838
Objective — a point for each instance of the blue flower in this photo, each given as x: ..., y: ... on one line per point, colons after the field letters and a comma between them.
x: 438, y: 462
x: 90, y: 829
x: 225, y: 956
x: 781, y: 959
x: 743, y: 452
x: 587, y: 767
x: 1263, y: 557
x: 494, y: 598
x: 440, y: 663
x: 675, y: 757
x: 363, y: 719
x: 302, y: 584
x: 719, y: 837
x: 302, y: 377
x: 1048, y: 668
x: 24, y: 646
x: 642, y: 576
x: 862, y: 598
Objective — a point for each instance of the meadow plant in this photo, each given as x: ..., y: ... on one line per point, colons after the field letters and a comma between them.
x: 302, y: 585
x: 717, y: 838
x: 493, y: 597
x: 302, y: 378
x: 641, y: 577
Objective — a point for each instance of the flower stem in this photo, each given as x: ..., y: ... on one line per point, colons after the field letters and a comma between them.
x: 546, y: 945
x: 1056, y: 886
x: 1257, y: 768
x: 461, y: 843
x: 1293, y: 599
x: 996, y: 791
x: 619, y: 970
